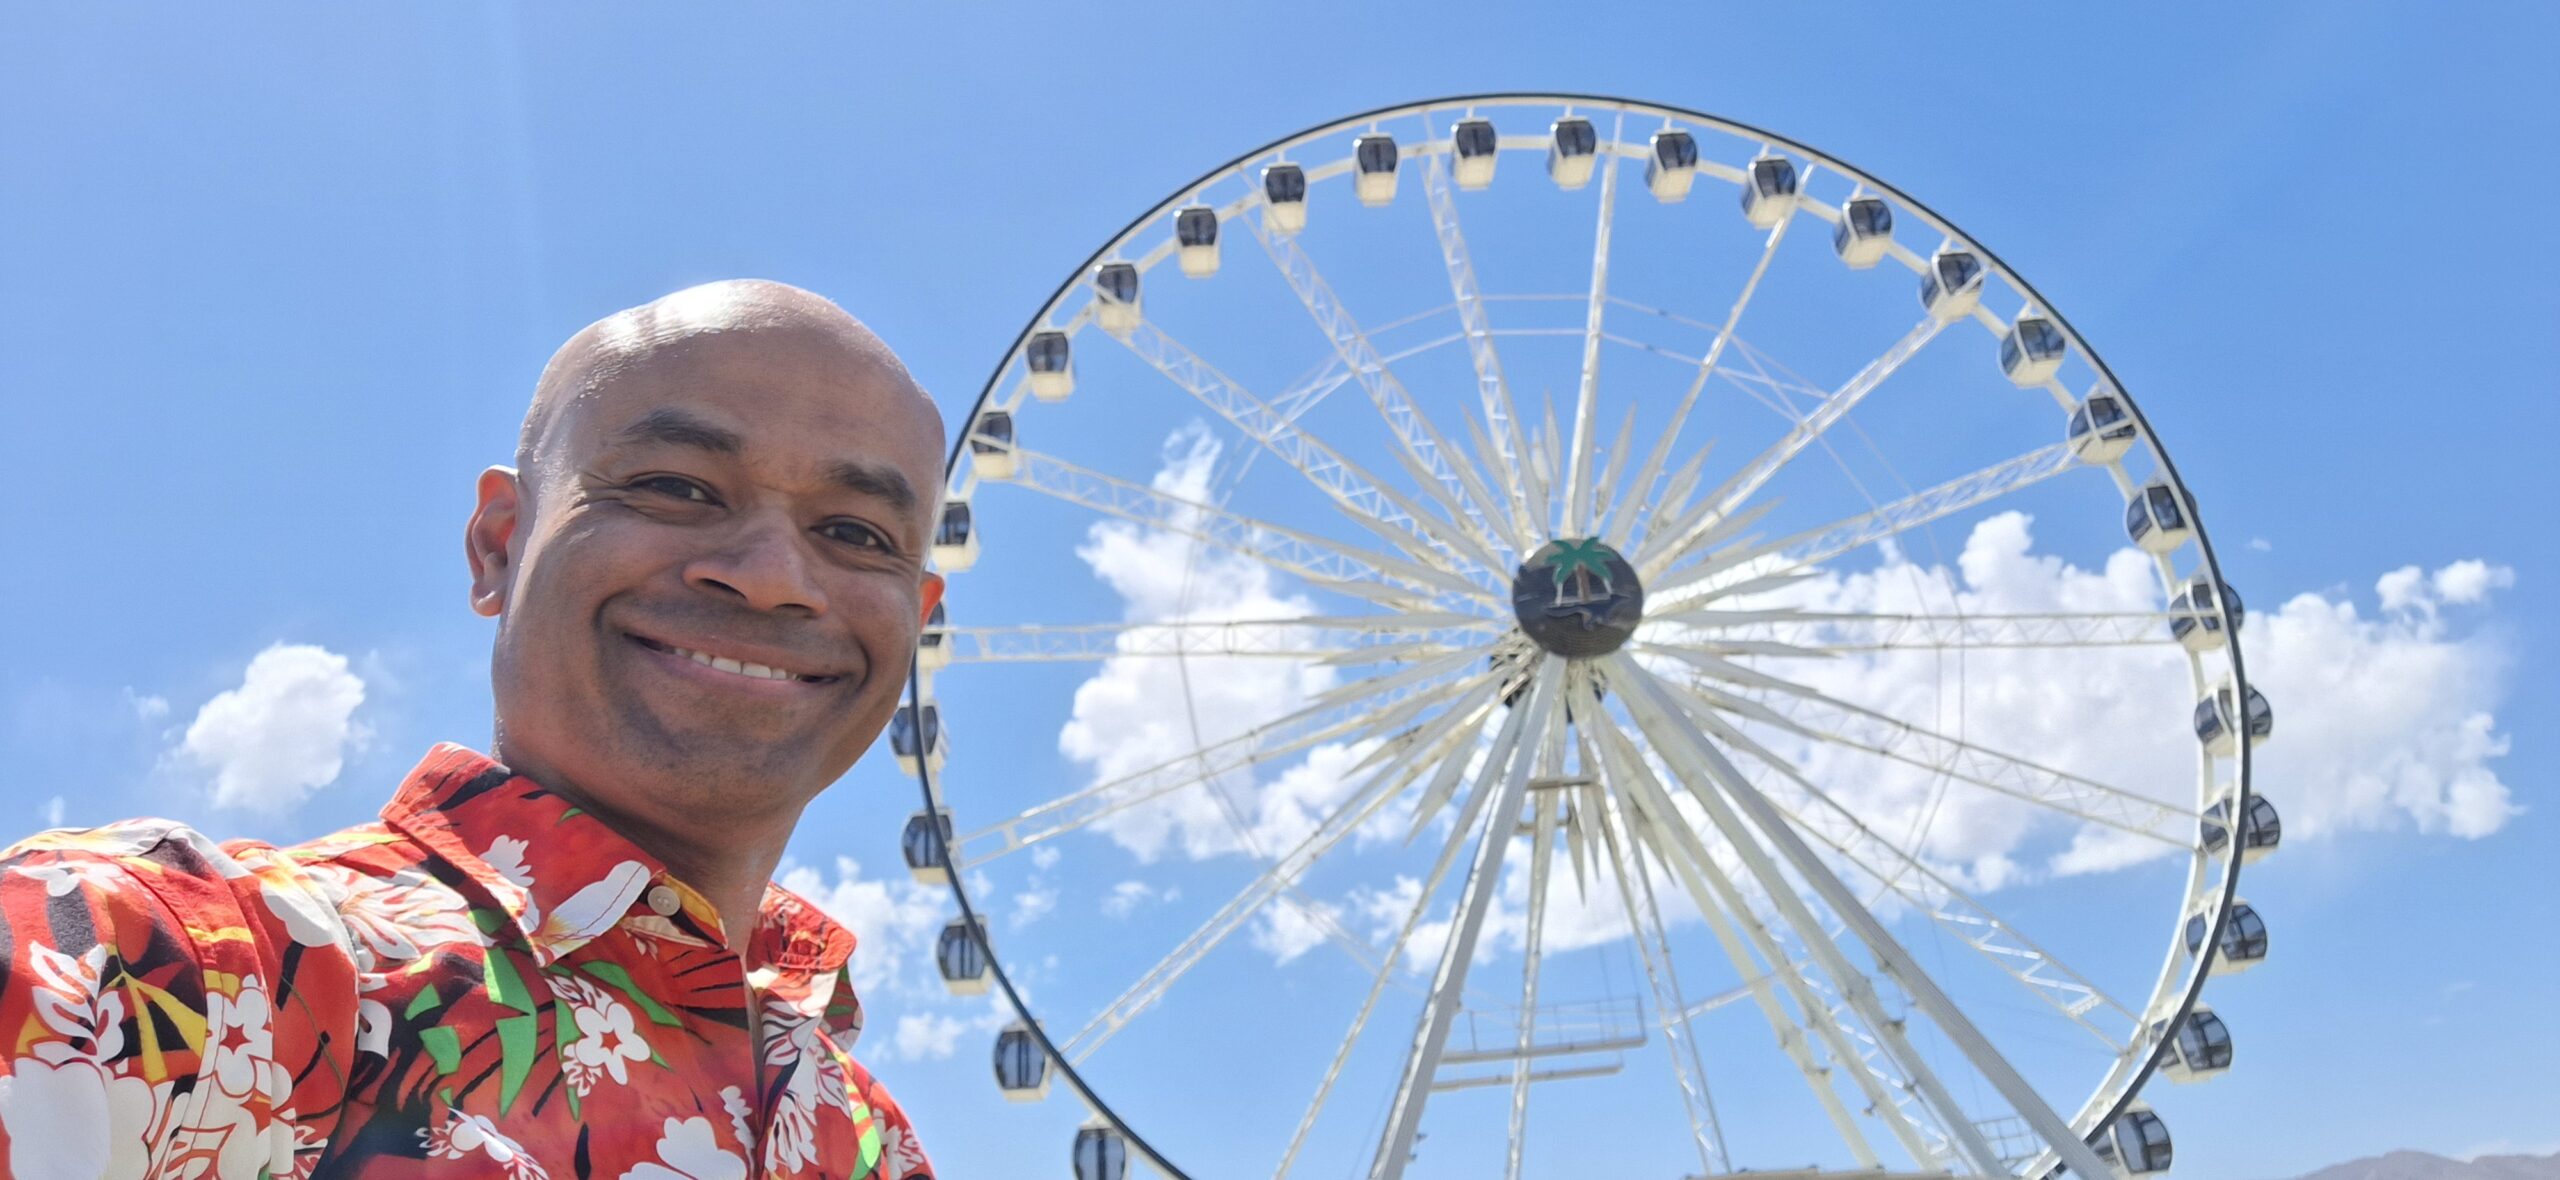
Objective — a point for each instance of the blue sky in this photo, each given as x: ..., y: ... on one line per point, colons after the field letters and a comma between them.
x: 275, y: 281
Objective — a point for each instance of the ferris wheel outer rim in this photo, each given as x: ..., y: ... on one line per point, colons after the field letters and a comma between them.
x: 2243, y: 790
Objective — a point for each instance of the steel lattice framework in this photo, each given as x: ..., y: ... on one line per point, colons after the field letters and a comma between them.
x: 1708, y: 764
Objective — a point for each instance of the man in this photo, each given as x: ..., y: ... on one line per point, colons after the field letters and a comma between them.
x: 564, y: 958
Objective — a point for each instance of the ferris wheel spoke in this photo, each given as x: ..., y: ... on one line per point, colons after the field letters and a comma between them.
x: 1344, y: 720
x: 1883, y: 735
x: 1838, y: 827
x: 1515, y: 485
x: 1311, y: 637
x: 1648, y: 699
x: 1851, y: 998
x: 1541, y: 844
x: 1319, y: 560
x: 1352, y: 490
x: 1815, y: 546
x: 1830, y: 633
x: 1654, y: 946
x: 1454, y: 480
x: 1742, y: 935
x: 1586, y: 400
x: 1356, y: 492
x: 1475, y: 902
x: 1452, y: 763
x: 1997, y: 940
x: 1280, y: 876
x: 1605, y: 493
x: 1499, y: 443
x: 1641, y: 504
x: 1657, y: 553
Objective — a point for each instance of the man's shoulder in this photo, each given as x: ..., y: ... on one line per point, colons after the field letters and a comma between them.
x: 159, y: 846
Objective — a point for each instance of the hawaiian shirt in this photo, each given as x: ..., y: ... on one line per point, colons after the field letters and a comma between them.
x: 488, y: 982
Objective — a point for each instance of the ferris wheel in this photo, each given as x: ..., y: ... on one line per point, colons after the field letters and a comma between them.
x: 1580, y: 651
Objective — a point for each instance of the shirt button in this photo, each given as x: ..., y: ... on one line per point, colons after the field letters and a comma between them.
x: 664, y: 901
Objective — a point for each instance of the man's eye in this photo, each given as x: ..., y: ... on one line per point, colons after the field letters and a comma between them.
x: 854, y: 533
x: 675, y: 486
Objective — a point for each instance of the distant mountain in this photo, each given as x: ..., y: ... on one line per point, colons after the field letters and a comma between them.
x: 2419, y: 1165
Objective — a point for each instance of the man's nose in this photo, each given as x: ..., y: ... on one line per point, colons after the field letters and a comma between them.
x: 765, y: 563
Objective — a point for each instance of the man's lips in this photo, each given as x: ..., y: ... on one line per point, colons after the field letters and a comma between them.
x: 737, y: 661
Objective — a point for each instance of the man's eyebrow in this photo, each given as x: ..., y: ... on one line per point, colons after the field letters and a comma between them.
x: 883, y: 482
x: 684, y: 430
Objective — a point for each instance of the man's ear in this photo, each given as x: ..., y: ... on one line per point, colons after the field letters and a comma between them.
x: 930, y: 597
x: 486, y: 539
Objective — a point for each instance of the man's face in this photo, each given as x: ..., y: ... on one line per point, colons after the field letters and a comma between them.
x: 713, y: 583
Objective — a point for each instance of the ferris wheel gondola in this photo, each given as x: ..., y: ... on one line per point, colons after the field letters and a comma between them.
x: 1541, y: 642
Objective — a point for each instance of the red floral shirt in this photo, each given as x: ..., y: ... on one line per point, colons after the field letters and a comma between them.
x: 487, y: 982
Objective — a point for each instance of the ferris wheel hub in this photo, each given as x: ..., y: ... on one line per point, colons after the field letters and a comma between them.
x: 1578, y: 598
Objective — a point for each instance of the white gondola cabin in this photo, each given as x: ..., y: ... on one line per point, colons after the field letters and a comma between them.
x: 926, y: 845
x: 918, y: 743
x: 1672, y: 164
x: 1022, y: 1069
x: 1475, y: 148
x: 1373, y: 168
x: 1284, y: 198
x: 961, y: 956
x: 2199, y: 1049
x: 1572, y: 147
x: 2031, y: 351
x: 1052, y: 364
x: 1101, y: 1151
x: 955, y: 538
x: 1115, y: 297
x: 2219, y: 721
x: 2261, y: 829
x: 1195, y: 229
x: 933, y: 643
x: 2155, y: 520
x: 2101, y: 429
x: 2195, y: 619
x: 1864, y: 231
x: 2244, y: 939
x: 991, y: 446
x: 2136, y: 1143
x: 1769, y: 191
x: 1952, y: 285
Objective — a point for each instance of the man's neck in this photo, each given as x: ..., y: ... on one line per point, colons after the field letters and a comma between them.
x: 729, y: 860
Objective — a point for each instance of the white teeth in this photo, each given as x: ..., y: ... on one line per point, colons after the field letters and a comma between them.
x: 725, y: 664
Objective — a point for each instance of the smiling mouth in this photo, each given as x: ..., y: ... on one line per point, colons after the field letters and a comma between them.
x: 719, y: 663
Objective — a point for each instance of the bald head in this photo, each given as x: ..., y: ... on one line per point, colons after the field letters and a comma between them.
x: 780, y: 313
x: 738, y: 475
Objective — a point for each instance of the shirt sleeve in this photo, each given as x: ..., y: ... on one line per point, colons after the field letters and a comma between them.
x: 139, y: 1017
x: 901, y: 1156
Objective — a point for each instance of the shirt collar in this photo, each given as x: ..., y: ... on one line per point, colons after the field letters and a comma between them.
x: 560, y: 877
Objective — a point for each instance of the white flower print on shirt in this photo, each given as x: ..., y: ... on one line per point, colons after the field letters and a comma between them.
x: 459, y: 1136
x: 690, y: 1151
x: 608, y: 1038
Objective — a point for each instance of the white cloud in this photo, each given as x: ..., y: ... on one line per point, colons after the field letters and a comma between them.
x: 148, y: 708
x: 1137, y: 712
x: 1031, y: 905
x: 1127, y: 897
x: 1286, y: 930
x: 2381, y: 722
x: 894, y: 924
x: 284, y: 733
x: 2467, y: 582
x: 1044, y: 856
x: 52, y: 812
x: 2261, y: 544
x: 928, y: 1036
